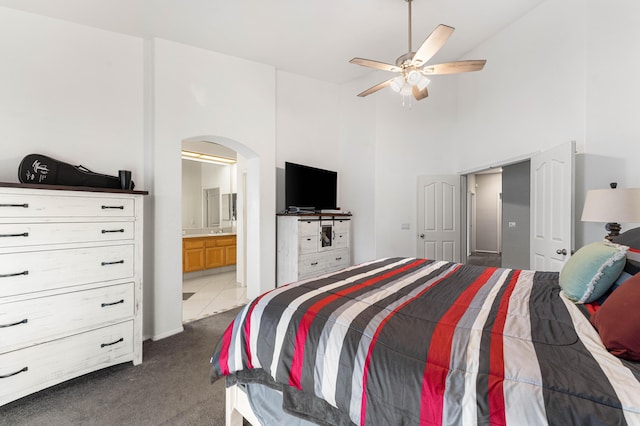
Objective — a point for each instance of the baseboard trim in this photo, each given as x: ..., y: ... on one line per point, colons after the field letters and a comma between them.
x: 167, y: 334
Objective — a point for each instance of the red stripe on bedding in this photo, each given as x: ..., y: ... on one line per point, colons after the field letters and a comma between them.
x: 497, y: 414
x: 224, y: 350
x: 303, y: 328
x: 365, y: 376
x: 246, y: 330
x: 439, y: 356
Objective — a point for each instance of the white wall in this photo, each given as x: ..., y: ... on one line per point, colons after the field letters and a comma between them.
x: 403, y: 142
x: 531, y: 94
x: 357, y: 132
x: 306, y: 121
x: 71, y: 92
x: 612, y: 91
x: 307, y: 127
x: 191, y: 194
x: 209, y: 96
x: 563, y: 72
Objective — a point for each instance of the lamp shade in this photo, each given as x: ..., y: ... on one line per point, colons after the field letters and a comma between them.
x: 620, y: 205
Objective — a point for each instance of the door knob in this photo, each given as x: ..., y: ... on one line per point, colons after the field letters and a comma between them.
x: 562, y: 252
x: 422, y: 236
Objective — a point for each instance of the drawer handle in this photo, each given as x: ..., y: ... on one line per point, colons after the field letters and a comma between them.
x: 112, y: 343
x: 104, y: 305
x: 14, y: 275
x: 25, y: 205
x: 339, y: 258
x: 106, y: 231
x: 314, y: 263
x: 112, y: 263
x: 24, y: 321
x: 13, y: 374
x: 24, y: 234
x: 113, y: 207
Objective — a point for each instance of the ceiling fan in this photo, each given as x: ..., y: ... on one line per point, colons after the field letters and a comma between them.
x: 413, y: 67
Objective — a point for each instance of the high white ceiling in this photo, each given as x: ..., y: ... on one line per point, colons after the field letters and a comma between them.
x: 314, y: 38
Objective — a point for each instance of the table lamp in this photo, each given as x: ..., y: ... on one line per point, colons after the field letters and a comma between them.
x: 612, y: 206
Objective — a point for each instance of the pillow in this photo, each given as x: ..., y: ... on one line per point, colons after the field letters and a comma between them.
x: 631, y: 238
x: 590, y: 272
x: 618, y: 320
x: 617, y: 283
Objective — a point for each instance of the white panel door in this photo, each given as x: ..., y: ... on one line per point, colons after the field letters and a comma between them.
x: 552, y: 202
x: 439, y: 217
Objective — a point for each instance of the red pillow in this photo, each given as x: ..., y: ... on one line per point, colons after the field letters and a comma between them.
x: 618, y: 320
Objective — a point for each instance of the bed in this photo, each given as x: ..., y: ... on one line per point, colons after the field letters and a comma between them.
x: 407, y: 341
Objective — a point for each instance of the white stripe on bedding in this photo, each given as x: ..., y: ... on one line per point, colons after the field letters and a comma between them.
x: 360, y: 357
x: 469, y: 405
x: 285, y: 318
x: 523, y: 404
x: 624, y: 383
x: 237, y: 342
x: 258, y: 310
x: 337, y: 326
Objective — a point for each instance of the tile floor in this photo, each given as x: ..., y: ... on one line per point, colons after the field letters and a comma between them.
x: 211, y: 294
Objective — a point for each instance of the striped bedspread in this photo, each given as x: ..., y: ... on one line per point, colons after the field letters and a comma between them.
x: 405, y: 341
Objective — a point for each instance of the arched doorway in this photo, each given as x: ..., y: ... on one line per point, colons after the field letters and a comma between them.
x: 213, y: 199
x: 163, y: 293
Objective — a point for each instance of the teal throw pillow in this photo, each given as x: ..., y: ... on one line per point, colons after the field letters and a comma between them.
x: 590, y: 272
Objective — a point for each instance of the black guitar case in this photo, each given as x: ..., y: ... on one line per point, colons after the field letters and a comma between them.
x: 40, y: 169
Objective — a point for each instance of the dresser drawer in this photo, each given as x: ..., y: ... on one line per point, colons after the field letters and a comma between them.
x: 30, y: 205
x: 32, y: 234
x: 311, y: 264
x: 28, y: 272
x: 37, y: 367
x: 308, y: 244
x: 34, y: 321
x: 341, y: 240
x: 338, y: 259
x: 341, y: 225
x: 308, y: 228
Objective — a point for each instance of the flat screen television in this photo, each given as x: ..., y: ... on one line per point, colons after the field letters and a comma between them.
x: 309, y: 187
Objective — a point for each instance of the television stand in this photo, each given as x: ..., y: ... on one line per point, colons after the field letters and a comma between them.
x: 311, y: 244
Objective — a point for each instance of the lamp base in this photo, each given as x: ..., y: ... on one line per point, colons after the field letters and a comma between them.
x: 614, y: 230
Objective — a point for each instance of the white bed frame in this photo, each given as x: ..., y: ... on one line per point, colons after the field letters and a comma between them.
x: 237, y: 407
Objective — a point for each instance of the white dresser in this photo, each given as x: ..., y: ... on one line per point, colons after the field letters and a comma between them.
x: 311, y: 244
x: 70, y: 284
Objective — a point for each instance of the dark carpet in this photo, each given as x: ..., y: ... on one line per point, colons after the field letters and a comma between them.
x: 170, y: 387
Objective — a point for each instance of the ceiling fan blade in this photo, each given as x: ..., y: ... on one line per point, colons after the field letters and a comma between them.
x: 375, y: 64
x: 375, y: 88
x: 419, y: 94
x: 455, y: 67
x: 432, y: 44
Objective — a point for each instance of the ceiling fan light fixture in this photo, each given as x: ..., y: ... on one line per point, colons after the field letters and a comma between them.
x: 406, y: 89
x: 423, y: 82
x: 413, y: 67
x: 397, y: 83
x: 413, y: 77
